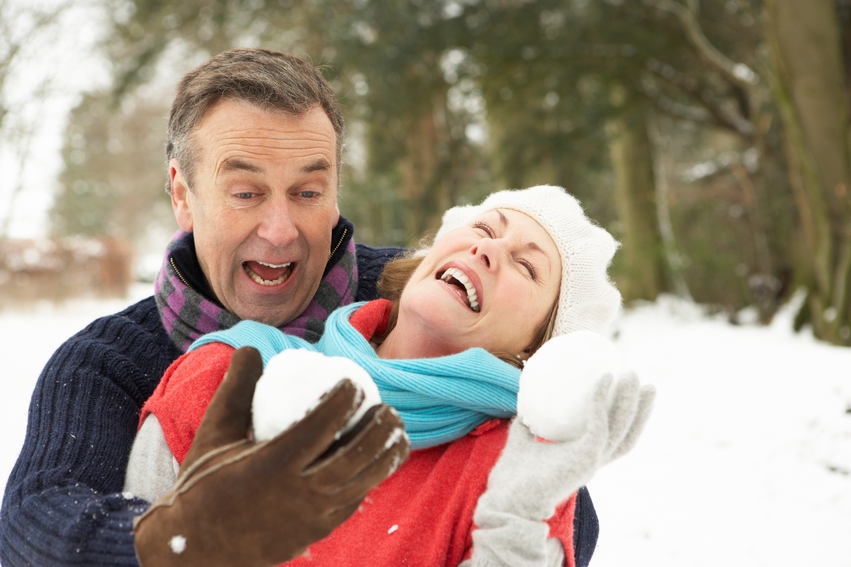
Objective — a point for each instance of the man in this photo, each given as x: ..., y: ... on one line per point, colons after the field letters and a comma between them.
x: 254, y: 146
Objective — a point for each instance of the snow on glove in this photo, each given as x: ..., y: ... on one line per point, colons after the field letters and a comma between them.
x: 532, y: 477
x: 238, y: 502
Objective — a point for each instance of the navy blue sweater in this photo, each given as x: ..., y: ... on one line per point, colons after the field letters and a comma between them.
x: 63, y: 503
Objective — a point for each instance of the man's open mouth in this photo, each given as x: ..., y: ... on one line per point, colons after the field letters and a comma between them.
x: 456, y: 277
x: 267, y: 274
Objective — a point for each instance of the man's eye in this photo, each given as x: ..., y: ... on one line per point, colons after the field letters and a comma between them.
x: 308, y: 194
x: 244, y: 195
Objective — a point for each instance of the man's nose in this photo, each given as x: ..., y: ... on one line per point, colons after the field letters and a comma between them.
x: 277, y: 226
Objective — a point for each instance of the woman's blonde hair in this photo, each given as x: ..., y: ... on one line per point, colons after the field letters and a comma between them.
x: 395, y: 277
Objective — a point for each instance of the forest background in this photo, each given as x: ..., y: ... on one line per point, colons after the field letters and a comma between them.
x: 712, y: 138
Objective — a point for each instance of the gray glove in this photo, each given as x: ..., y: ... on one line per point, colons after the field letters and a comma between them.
x: 531, y: 477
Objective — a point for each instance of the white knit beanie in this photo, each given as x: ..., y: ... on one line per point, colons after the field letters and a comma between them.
x: 588, y: 300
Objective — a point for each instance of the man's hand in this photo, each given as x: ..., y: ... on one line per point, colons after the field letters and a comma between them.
x: 237, y: 502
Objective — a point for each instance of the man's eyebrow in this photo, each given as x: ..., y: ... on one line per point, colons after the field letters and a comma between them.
x: 320, y: 164
x: 237, y: 164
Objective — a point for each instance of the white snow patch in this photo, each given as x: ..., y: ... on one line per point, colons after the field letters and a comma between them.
x: 558, y: 382
x: 394, y: 437
x: 743, y: 72
x: 741, y: 463
x: 293, y: 383
x: 177, y: 544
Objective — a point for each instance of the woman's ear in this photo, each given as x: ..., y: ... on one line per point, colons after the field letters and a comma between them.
x: 181, y: 196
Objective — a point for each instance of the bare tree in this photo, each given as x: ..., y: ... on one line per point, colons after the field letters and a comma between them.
x: 23, y: 25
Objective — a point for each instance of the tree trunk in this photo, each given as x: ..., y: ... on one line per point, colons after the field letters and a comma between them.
x: 673, y: 258
x: 635, y: 194
x: 425, y: 190
x: 807, y: 83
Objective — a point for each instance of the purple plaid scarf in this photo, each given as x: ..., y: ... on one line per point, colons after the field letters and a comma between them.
x: 187, y: 315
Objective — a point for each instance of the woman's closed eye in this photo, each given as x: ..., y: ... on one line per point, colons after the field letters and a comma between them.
x: 529, y: 268
x: 527, y: 265
x: 484, y: 228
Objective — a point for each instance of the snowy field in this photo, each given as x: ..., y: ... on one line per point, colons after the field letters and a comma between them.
x: 746, y: 460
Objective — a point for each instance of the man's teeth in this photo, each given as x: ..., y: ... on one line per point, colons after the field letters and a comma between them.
x: 458, y: 275
x: 274, y: 265
x: 277, y: 281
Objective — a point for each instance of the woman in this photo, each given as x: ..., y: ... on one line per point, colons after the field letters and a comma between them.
x: 445, y: 349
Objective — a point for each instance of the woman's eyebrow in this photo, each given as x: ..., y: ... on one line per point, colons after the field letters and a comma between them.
x: 534, y: 247
x: 503, y: 220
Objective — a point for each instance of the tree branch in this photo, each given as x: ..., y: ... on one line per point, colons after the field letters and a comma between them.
x: 739, y: 73
x: 705, y: 97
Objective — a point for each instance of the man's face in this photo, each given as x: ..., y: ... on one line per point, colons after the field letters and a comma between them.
x: 262, y: 207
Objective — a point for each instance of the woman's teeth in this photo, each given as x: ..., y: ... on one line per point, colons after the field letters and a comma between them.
x: 458, y: 275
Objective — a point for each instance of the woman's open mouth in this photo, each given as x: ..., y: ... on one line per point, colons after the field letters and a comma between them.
x: 267, y: 274
x: 455, y: 277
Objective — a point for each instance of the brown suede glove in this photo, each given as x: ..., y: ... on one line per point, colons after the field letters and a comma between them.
x: 237, y: 502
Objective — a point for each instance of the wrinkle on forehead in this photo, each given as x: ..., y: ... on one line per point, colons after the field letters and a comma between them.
x: 297, y: 140
x: 252, y: 157
x: 275, y: 138
x: 247, y: 134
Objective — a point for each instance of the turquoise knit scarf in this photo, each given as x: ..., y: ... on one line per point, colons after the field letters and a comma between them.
x: 439, y: 399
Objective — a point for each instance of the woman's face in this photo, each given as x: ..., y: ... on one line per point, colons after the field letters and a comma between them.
x: 489, y: 284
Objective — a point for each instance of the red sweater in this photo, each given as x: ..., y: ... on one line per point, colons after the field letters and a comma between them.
x: 420, y: 515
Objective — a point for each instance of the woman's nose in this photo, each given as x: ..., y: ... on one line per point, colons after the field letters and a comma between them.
x: 488, y: 251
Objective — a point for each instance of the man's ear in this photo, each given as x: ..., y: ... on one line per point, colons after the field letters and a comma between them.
x: 180, y: 195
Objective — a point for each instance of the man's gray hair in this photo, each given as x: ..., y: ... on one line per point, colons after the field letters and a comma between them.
x: 266, y: 79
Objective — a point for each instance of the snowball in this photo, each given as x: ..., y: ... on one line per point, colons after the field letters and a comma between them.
x: 292, y: 384
x: 557, y: 383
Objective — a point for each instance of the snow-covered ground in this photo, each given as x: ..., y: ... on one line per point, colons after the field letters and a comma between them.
x: 746, y: 460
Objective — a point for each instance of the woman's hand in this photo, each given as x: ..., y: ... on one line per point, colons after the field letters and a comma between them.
x: 532, y: 477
